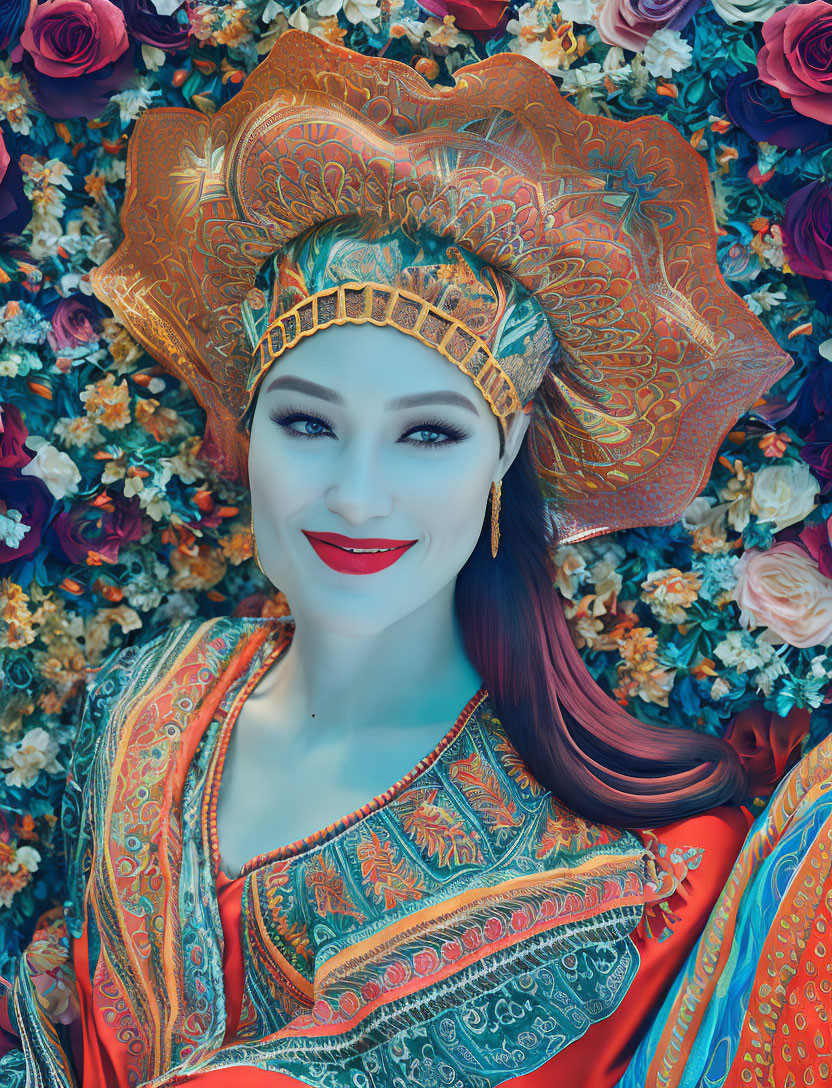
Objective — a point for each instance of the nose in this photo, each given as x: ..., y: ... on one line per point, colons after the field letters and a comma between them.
x: 359, y: 491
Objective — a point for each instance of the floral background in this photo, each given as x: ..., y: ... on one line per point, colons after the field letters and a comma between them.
x: 110, y: 523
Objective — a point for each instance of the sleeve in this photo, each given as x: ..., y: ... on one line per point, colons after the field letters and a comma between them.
x: 39, y: 998
x: 751, y: 1003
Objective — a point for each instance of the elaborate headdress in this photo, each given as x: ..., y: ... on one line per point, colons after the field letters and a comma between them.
x: 566, y: 262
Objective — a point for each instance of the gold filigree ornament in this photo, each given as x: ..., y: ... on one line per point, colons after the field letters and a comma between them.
x: 633, y: 355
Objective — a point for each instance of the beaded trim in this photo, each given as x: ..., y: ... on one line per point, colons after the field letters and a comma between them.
x: 357, y: 303
x: 289, y: 850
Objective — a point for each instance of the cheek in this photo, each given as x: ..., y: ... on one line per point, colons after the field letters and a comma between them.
x: 280, y: 486
x: 451, y: 510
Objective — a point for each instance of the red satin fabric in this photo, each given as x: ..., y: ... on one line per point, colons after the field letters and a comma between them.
x: 600, y: 1056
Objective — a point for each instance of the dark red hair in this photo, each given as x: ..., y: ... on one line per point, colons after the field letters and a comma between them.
x: 576, y: 740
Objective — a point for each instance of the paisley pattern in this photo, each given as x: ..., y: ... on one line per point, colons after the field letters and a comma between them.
x: 460, y: 929
x: 371, y: 955
x: 634, y: 355
x: 754, y: 1003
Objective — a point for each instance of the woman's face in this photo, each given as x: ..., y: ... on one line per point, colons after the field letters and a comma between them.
x: 365, y: 438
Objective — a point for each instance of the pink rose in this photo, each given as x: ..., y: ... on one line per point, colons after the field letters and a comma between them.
x: 73, y: 323
x: 797, y: 57
x: 783, y: 590
x: 631, y: 23
x: 73, y: 37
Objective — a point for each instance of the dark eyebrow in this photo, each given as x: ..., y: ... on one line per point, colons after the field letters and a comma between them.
x: 414, y: 400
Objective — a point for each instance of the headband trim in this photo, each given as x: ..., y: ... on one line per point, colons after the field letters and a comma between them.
x: 379, y: 304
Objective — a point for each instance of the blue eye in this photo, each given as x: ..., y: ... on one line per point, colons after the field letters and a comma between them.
x: 427, y: 436
x: 435, y: 433
x: 313, y: 426
x: 431, y: 434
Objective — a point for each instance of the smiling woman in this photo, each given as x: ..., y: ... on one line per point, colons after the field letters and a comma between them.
x: 400, y: 836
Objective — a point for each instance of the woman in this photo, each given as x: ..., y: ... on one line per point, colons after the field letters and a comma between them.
x: 435, y: 328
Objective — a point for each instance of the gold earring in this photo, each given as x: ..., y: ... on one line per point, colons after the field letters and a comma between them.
x: 254, y: 542
x: 496, y: 488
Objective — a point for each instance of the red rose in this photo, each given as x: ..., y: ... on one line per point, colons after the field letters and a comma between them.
x: 348, y: 1004
x: 519, y: 920
x: 370, y: 990
x: 767, y: 744
x: 13, y: 433
x: 322, y: 1012
x: 86, y: 530
x: 797, y: 57
x: 477, y: 15
x: 73, y: 37
x: 426, y: 962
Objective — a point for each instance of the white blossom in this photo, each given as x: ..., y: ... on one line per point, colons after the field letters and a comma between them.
x: 667, y: 52
x: 57, y: 470
x: 25, y: 759
x: 747, y: 11
x: 764, y: 299
x: 12, y: 528
x: 578, y: 11
x: 784, y: 494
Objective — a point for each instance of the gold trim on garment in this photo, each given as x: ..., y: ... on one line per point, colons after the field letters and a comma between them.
x: 356, y: 303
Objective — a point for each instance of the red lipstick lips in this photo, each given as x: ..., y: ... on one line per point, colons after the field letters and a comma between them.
x: 335, y: 550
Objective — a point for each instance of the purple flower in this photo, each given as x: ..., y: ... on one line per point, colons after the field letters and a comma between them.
x: 818, y: 456
x: 12, y: 16
x: 765, y: 115
x: 86, y: 530
x: 84, y: 96
x: 811, y: 413
x: 15, y: 210
x: 13, y: 433
x: 807, y: 231
x: 145, y: 25
x: 73, y: 323
x: 30, y: 496
x: 631, y: 23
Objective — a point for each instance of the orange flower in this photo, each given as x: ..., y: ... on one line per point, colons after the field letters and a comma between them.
x: 774, y: 444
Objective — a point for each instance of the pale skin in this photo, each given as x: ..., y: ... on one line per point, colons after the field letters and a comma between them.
x: 376, y: 673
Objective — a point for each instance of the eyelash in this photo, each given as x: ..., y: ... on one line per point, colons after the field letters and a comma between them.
x: 287, y: 416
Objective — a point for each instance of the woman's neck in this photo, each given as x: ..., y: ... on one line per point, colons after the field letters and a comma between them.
x: 414, y: 673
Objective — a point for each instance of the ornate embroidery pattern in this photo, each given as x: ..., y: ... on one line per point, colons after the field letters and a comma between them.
x: 482, y: 790
x: 378, y: 950
x: 437, y: 830
x: 392, y: 880
x: 327, y: 885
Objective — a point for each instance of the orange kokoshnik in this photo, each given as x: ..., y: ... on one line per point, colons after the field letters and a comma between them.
x: 567, y: 263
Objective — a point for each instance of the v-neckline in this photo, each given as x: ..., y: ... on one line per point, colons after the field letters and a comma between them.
x: 315, y: 838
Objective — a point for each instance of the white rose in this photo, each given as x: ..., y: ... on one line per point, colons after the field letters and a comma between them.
x: 57, y: 470
x: 28, y: 857
x: 667, y: 52
x: 32, y: 754
x: 784, y: 494
x: 578, y: 11
x: 747, y: 11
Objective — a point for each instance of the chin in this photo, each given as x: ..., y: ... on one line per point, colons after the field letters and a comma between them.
x: 350, y: 614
